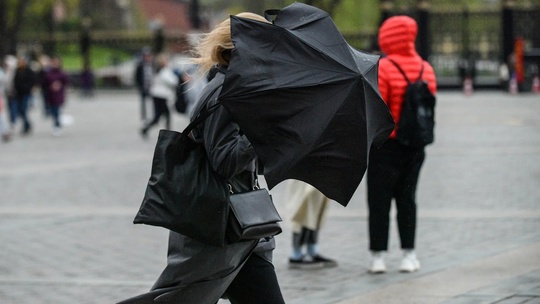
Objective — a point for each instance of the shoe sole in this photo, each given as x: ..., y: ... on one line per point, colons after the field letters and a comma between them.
x: 313, y: 266
x: 329, y: 264
x: 408, y: 270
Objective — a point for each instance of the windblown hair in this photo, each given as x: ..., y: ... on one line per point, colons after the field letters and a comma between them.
x: 215, y: 47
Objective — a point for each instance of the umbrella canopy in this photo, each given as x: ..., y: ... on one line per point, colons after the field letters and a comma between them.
x: 308, y: 102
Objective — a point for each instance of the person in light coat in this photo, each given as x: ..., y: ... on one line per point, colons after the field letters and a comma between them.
x: 308, y: 214
x: 163, y: 92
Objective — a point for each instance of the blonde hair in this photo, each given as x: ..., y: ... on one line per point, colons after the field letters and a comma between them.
x: 214, y: 48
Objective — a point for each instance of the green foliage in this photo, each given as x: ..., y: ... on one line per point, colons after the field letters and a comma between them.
x: 99, y: 56
x: 355, y: 16
x: 38, y: 15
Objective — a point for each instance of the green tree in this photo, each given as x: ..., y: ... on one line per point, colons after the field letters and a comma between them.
x: 11, y: 13
x: 17, y: 16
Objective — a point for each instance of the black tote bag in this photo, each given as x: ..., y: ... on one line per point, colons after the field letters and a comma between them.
x: 184, y: 194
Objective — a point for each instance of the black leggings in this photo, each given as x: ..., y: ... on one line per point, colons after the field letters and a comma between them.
x: 255, y: 283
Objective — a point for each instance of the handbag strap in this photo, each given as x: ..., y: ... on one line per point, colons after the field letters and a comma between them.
x: 204, y: 113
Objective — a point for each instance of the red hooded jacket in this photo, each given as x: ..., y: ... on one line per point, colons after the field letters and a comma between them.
x: 396, y: 40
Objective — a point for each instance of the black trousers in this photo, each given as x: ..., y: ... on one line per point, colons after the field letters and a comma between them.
x: 255, y: 283
x: 393, y: 173
x: 160, y: 108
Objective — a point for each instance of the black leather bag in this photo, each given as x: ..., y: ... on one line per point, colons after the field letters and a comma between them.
x: 185, y: 195
x: 252, y: 216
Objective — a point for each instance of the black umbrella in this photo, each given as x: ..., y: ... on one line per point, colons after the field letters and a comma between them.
x: 308, y: 102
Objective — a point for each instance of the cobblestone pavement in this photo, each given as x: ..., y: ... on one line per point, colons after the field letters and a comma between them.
x: 67, y: 204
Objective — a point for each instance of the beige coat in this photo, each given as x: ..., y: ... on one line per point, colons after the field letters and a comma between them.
x: 307, y: 206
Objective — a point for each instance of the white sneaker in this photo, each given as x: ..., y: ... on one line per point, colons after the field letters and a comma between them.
x: 410, y: 262
x: 377, y: 265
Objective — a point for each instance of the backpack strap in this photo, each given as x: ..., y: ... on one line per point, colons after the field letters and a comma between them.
x: 403, y: 73
x: 421, y: 72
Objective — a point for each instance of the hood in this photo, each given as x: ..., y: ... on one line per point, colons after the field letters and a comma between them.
x: 397, y: 36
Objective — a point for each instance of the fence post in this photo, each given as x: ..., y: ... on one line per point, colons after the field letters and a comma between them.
x: 194, y: 14
x: 423, y: 28
x: 159, y: 40
x: 386, y: 7
x: 85, y: 41
x: 49, y: 47
x: 507, y: 29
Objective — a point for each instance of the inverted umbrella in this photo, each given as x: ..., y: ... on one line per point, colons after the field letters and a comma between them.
x: 308, y: 102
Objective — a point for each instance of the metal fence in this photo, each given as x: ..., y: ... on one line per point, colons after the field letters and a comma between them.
x: 465, y: 41
x: 458, y: 40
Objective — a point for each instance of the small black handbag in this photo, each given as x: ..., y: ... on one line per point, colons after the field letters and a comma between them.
x: 185, y: 195
x: 252, y: 216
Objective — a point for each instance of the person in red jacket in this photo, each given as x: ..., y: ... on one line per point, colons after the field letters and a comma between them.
x: 393, y: 168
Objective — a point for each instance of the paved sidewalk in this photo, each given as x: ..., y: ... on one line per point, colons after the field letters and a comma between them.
x: 67, y: 204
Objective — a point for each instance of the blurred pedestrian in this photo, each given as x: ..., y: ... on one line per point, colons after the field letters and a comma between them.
x: 23, y: 82
x: 44, y: 67
x: 10, y: 66
x: 56, y: 81
x: 195, y: 86
x: 4, y: 129
x: 394, y: 169
x: 87, y: 81
x: 144, y: 75
x: 163, y: 92
x: 309, y: 214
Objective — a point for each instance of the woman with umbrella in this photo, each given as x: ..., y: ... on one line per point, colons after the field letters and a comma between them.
x: 201, y: 273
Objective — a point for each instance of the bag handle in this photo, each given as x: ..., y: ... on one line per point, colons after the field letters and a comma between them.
x: 204, y: 113
x: 403, y: 73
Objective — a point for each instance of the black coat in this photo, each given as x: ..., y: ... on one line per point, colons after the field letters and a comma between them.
x: 24, y: 81
x: 139, y: 77
x: 198, y: 273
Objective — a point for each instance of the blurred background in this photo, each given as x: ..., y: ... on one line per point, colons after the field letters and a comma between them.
x: 489, y: 42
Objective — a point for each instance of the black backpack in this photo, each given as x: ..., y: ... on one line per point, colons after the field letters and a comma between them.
x: 417, y: 120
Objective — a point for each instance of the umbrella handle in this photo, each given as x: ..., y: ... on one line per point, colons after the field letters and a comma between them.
x: 271, y: 14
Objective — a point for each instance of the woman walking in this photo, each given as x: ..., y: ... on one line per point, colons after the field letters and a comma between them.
x: 23, y: 83
x: 163, y: 91
x: 199, y: 273
x: 56, y: 82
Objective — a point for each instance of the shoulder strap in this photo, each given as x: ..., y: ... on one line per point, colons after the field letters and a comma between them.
x: 400, y: 70
x: 403, y: 73
x: 204, y: 113
x: 421, y: 72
